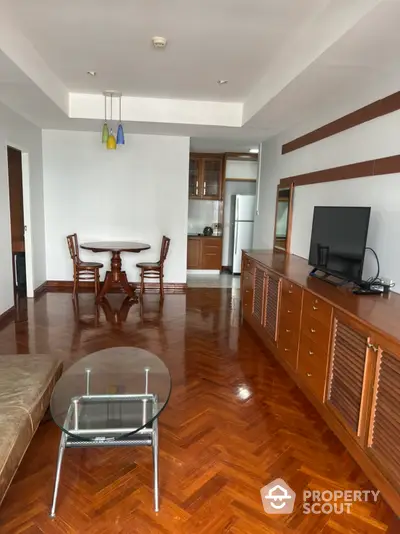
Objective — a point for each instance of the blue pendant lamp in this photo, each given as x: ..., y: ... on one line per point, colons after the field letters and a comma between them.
x: 120, y: 131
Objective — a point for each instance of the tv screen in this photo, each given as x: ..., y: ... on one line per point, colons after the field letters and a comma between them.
x: 338, y: 240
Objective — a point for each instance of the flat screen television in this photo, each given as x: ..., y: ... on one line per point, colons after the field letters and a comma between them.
x: 338, y: 241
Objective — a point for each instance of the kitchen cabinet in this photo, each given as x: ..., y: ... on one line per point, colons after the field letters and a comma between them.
x: 205, y: 176
x: 194, y: 253
x: 204, y: 253
x: 194, y: 177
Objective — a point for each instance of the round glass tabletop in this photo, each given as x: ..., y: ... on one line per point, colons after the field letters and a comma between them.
x: 111, y: 394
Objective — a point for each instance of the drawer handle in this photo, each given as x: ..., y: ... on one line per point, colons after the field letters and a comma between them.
x: 314, y: 308
x: 290, y: 292
x: 309, y: 375
x: 287, y: 350
x: 310, y: 352
x: 246, y: 305
x: 289, y: 311
x: 247, y: 290
x: 287, y: 331
x: 312, y: 330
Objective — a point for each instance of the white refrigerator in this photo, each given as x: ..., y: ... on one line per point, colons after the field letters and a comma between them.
x: 242, y: 221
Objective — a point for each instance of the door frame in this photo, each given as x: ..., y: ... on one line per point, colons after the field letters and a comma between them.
x: 27, y: 215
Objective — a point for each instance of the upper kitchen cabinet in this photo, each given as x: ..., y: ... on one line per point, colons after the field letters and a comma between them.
x: 194, y: 177
x: 205, y: 176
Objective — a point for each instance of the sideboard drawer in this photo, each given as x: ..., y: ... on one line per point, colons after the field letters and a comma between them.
x: 291, y: 292
x: 317, y: 308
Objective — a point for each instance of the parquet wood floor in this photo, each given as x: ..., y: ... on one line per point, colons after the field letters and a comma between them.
x: 235, y: 422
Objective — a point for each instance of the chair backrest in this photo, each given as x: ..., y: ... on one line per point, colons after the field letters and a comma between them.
x: 164, y: 248
x: 73, y: 247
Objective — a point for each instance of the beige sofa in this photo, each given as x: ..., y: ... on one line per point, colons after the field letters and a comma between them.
x: 26, y: 384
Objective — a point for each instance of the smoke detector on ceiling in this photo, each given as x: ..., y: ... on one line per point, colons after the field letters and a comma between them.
x: 159, y: 42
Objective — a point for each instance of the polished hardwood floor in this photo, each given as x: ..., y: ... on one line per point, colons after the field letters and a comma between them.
x: 235, y: 422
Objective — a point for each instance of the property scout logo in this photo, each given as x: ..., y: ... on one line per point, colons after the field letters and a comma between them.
x: 278, y: 498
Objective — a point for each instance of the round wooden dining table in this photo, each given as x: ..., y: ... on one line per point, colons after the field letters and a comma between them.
x: 116, y: 277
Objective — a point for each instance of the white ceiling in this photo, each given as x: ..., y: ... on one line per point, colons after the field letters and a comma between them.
x: 289, y: 63
x: 208, y: 40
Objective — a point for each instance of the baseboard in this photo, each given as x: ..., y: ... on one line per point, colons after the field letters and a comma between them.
x: 39, y: 290
x: 66, y: 286
x: 7, y: 317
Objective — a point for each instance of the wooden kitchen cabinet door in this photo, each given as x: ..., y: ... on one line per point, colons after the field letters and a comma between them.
x: 211, y: 253
x: 195, y: 185
x: 212, y: 178
x: 194, y: 253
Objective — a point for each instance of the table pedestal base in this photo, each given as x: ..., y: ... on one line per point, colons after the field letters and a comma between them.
x: 116, y: 278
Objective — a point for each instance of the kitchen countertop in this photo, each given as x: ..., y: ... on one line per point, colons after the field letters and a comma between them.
x: 202, y: 235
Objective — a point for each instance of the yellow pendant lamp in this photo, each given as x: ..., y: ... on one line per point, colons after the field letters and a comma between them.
x: 111, y: 141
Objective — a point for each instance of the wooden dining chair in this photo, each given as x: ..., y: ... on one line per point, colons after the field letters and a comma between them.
x: 83, y: 270
x: 155, y: 270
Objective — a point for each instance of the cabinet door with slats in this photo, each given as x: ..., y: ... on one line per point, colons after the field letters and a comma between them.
x: 258, y: 295
x: 350, y: 369
x: 384, y: 432
x: 272, y: 298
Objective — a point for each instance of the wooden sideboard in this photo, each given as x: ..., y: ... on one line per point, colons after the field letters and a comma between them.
x: 342, y: 350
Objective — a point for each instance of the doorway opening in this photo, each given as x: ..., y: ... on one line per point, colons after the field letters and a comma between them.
x: 17, y: 224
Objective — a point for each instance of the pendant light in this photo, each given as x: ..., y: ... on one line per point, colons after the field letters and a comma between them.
x: 111, y: 142
x: 105, y: 133
x: 120, y: 132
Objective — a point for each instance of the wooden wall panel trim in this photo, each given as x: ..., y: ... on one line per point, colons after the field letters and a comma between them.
x: 372, y: 111
x: 373, y: 167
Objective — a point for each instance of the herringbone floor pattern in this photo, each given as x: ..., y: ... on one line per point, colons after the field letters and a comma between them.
x: 234, y: 422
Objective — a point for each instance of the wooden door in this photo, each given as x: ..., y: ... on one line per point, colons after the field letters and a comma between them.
x: 384, y: 430
x: 195, y: 185
x: 14, y: 158
x: 271, y: 305
x: 211, y: 253
x: 194, y: 253
x: 350, y: 375
x: 211, y: 178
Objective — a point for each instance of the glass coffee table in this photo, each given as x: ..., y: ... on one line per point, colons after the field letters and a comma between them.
x: 111, y: 398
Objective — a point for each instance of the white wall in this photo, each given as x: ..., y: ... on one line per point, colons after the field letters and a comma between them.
x: 18, y: 132
x: 138, y: 192
x: 239, y: 169
x: 374, y: 139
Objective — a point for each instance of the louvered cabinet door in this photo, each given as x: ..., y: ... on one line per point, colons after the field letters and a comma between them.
x: 271, y: 312
x: 258, y: 296
x: 350, y: 378
x: 384, y: 430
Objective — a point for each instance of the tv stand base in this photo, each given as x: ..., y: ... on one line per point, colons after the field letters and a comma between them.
x: 326, y: 277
